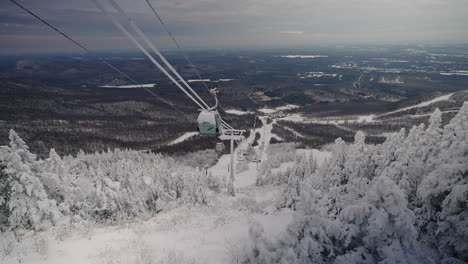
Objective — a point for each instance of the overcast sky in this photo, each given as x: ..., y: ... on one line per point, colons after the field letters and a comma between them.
x: 201, y: 24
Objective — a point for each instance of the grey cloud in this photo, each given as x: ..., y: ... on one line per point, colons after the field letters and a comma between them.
x: 218, y: 23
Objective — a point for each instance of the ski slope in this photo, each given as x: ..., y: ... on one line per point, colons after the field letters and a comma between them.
x: 437, y: 99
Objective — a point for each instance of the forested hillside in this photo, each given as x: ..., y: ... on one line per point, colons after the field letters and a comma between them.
x: 404, y: 201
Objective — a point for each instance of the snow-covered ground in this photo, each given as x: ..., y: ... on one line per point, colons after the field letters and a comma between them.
x: 278, y: 109
x: 216, y: 233
x: 298, y: 118
x: 437, y: 99
x: 365, y: 118
x: 267, y: 110
x: 183, y: 138
x: 196, y: 235
x: 303, y: 56
x: 199, y: 80
x: 148, y: 85
x: 461, y: 73
x: 238, y: 112
x: 286, y: 107
x: 209, y: 80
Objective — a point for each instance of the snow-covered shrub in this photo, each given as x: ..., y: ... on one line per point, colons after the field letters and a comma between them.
x: 404, y: 201
x: 270, y: 171
x: 101, y: 186
x: 215, y: 183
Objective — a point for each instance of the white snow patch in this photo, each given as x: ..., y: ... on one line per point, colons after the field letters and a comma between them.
x: 267, y: 110
x: 462, y: 73
x: 238, y: 112
x: 183, y: 138
x: 277, y: 109
x: 298, y: 118
x: 199, y: 80
x: 437, y: 99
x: 303, y: 56
x: 287, y: 107
x: 148, y: 85
x: 365, y: 118
x: 209, y: 80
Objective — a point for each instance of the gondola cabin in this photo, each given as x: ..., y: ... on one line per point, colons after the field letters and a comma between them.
x: 219, y: 148
x: 209, y: 123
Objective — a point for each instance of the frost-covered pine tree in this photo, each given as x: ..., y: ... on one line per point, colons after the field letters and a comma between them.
x: 303, y: 167
x: 54, y: 178
x: 5, y: 193
x: 443, y: 192
x: 385, y: 154
x: 195, y: 188
x: 332, y: 172
x: 106, y: 196
x: 29, y: 205
x: 357, y: 164
x: 54, y: 164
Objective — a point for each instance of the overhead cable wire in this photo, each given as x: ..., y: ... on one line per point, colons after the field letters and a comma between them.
x: 142, y: 49
x: 184, y: 54
x: 151, y: 45
x: 176, y: 43
x: 190, y: 119
x: 155, y: 50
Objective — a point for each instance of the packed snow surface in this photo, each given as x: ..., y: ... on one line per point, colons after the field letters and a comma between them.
x: 183, y: 138
x: 148, y: 85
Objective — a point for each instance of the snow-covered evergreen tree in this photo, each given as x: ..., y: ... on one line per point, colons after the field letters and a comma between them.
x: 443, y: 192
x: 29, y: 205
x: 390, y: 203
x: 304, y: 166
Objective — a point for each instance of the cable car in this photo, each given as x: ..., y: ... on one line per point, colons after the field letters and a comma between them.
x: 219, y: 147
x: 209, y: 123
x: 209, y: 120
